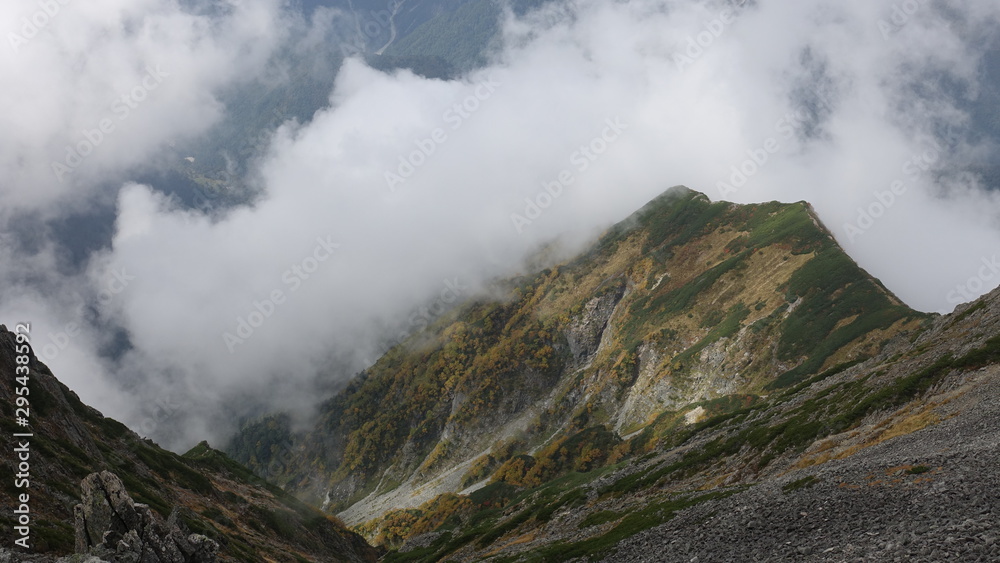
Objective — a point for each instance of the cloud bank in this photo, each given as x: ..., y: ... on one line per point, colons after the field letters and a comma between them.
x: 408, y: 191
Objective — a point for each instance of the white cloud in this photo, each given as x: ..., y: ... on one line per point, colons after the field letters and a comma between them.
x: 538, y: 113
x: 147, y: 71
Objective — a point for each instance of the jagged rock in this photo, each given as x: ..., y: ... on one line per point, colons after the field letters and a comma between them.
x: 110, y: 525
x: 106, y: 509
x: 585, y: 332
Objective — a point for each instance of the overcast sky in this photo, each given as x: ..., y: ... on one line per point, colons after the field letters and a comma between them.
x: 408, y: 191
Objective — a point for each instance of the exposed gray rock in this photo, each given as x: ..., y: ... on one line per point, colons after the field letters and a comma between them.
x: 421, y: 541
x: 586, y: 331
x: 867, y: 507
x: 111, y: 526
x: 106, y: 509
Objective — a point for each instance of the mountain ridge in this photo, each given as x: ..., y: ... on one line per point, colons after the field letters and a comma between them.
x: 702, y: 366
x: 685, y: 305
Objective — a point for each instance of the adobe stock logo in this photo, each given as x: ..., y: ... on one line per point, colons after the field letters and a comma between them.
x: 422, y: 317
x: 974, y: 286
x: 582, y: 158
x: 454, y: 116
x: 382, y: 20
x: 885, y: 199
x: 758, y: 157
x: 32, y: 25
x: 293, y: 277
x: 122, y: 107
x: 696, y: 45
x: 114, y: 284
x: 901, y: 15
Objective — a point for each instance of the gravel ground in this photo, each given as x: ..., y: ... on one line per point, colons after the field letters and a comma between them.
x: 868, y: 507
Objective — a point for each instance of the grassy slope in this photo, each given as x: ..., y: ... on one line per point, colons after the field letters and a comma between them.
x: 692, y: 274
x: 498, y: 519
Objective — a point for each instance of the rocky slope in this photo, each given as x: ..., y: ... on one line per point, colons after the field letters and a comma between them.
x: 918, y: 483
x: 928, y: 496
x: 892, y: 459
x: 696, y: 354
x: 204, y: 491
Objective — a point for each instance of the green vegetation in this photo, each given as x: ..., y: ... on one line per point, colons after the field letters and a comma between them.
x: 680, y: 299
x: 777, y: 223
x: 41, y: 400
x: 486, y: 362
x: 582, y: 452
x: 598, y: 518
x: 832, y: 290
x: 461, y: 37
x: 966, y: 313
x: 141, y: 492
x: 499, y: 351
x: 835, y: 410
x: 197, y: 525
x: 204, y: 457
x: 171, y: 466
x: 904, y: 389
x: 676, y: 218
x: 495, y: 494
x: 805, y: 482
x: 80, y: 441
x: 727, y: 327
x: 279, y: 521
x: 653, y: 515
x: 917, y: 470
x: 426, y: 66
x: 422, y: 554
x: 213, y: 513
x: 112, y: 429
x: 261, y: 445
x: 442, y: 512
x: 53, y: 536
x: 481, y: 519
x: 790, y: 377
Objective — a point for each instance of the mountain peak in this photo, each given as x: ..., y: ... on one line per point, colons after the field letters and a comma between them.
x: 687, y: 304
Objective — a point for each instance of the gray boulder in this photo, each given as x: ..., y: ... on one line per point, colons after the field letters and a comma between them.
x: 114, y: 528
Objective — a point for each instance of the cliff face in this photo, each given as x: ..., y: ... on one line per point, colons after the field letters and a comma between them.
x: 204, y: 492
x: 686, y: 311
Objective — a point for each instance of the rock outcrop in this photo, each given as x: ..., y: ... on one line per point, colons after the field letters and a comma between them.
x: 112, y: 528
x: 110, y: 525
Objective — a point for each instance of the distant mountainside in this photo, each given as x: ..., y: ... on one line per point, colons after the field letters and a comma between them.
x: 696, y: 350
x: 440, y: 39
x: 435, y: 39
x: 212, y: 495
x: 458, y: 32
x: 687, y: 303
x: 708, y: 381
